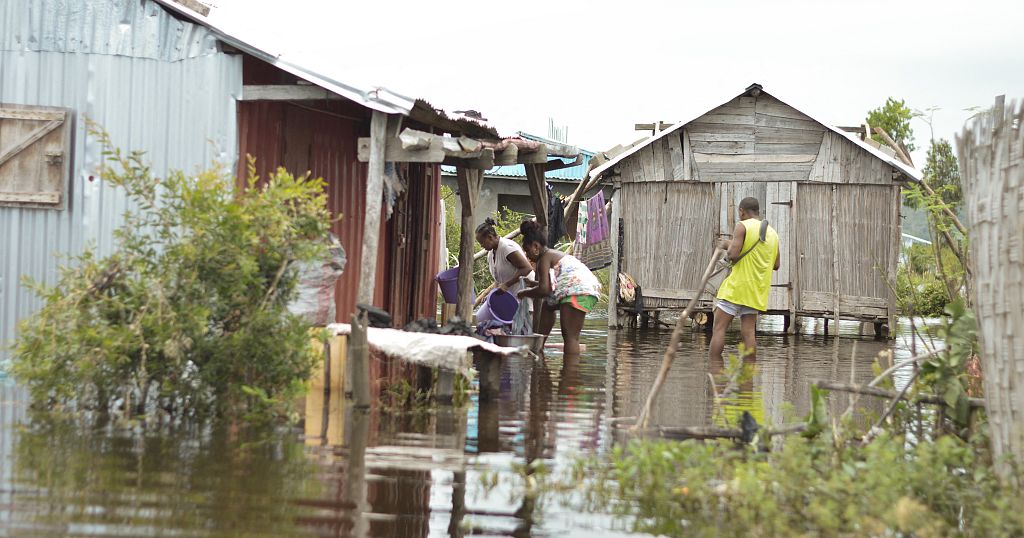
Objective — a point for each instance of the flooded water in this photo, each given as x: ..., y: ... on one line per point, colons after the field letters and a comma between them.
x: 399, y: 474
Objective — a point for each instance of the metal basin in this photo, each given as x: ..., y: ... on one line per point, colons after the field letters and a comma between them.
x: 533, y: 341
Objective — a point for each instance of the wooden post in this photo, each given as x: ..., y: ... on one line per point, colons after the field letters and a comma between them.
x: 371, y: 219
x: 470, y: 181
x: 359, y: 360
x: 445, y: 392
x: 538, y: 193
x: 836, y: 274
x: 357, y: 434
x: 894, y: 256
x: 489, y: 365
x: 613, y: 272
x: 794, y: 259
x: 325, y: 420
x: 488, y: 431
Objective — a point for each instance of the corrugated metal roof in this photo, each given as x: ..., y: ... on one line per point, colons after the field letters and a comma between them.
x: 573, y: 173
x: 139, y: 29
x: 249, y: 40
x: 890, y: 160
x: 153, y: 106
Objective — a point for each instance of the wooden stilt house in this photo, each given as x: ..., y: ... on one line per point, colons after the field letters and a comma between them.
x: 833, y: 197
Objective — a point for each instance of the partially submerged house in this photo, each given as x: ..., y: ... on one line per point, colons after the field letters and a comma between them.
x: 161, y: 78
x: 834, y: 199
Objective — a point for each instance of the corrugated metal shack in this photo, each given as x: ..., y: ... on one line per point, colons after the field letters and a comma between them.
x: 161, y: 78
x: 833, y: 197
x: 156, y: 82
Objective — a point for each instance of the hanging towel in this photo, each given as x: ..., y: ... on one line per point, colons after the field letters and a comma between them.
x: 581, y: 223
x: 597, y: 220
x: 593, y: 241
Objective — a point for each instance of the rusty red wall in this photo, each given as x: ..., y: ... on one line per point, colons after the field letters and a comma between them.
x: 321, y: 137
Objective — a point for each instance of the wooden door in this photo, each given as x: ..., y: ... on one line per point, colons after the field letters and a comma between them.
x: 775, y: 200
x: 778, y: 209
x: 34, y: 156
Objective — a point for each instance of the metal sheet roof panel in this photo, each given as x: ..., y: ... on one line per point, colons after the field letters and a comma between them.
x: 135, y: 28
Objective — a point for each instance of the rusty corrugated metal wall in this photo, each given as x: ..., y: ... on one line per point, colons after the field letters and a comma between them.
x: 322, y: 139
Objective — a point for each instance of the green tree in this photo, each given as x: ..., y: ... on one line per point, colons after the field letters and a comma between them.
x: 189, y: 315
x: 894, y: 118
x: 942, y: 173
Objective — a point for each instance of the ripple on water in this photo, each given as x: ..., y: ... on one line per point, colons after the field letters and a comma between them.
x: 408, y: 474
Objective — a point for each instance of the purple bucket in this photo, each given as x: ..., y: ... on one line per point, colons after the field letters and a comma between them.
x: 500, y: 306
x: 448, y: 281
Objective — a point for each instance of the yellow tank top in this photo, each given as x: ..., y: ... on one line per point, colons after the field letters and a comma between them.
x: 751, y: 278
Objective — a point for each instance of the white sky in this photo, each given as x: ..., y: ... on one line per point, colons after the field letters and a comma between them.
x: 599, y: 67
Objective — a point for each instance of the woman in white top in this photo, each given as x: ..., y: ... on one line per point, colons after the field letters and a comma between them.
x: 505, y: 258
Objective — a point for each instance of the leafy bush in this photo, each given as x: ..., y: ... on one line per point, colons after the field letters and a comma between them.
x: 189, y: 314
x: 810, y: 488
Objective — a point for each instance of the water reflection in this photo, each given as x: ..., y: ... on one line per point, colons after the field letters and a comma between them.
x: 376, y: 473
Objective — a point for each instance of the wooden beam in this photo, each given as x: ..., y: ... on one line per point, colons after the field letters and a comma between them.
x: 411, y: 139
x: 371, y: 219
x: 484, y: 162
x: 509, y: 155
x: 32, y: 138
x: 556, y: 149
x: 286, y: 92
x: 538, y: 194
x: 194, y: 5
x: 470, y: 182
x: 657, y: 127
x: 537, y: 156
x: 31, y: 197
x: 551, y: 166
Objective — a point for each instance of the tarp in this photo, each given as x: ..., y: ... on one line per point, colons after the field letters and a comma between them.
x: 445, y: 351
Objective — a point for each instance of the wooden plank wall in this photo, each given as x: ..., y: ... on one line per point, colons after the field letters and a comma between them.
x: 665, y: 249
x: 841, y: 161
x: 864, y: 214
x: 755, y: 139
x: 805, y: 177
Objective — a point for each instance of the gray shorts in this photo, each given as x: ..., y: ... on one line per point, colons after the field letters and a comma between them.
x: 735, y: 310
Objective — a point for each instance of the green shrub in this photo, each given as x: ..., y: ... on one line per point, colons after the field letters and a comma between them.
x: 190, y: 313
x: 811, y: 487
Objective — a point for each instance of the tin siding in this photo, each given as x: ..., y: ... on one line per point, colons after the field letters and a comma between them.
x: 325, y: 143
x: 181, y: 114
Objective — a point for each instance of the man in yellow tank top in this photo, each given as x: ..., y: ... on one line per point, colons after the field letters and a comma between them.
x: 744, y: 292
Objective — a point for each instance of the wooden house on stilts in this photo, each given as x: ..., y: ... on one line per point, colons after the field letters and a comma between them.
x: 833, y: 197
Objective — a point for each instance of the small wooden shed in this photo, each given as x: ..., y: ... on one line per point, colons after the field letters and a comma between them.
x: 833, y: 197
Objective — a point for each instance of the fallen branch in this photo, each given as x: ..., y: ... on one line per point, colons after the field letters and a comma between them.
x: 715, y: 432
x: 887, y: 394
x: 901, y: 364
x: 677, y: 334
x: 873, y: 430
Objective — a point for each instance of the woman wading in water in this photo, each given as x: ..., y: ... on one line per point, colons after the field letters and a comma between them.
x: 505, y: 259
x: 565, y: 283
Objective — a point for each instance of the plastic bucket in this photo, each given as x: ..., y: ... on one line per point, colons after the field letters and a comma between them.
x: 499, y: 306
x: 448, y: 281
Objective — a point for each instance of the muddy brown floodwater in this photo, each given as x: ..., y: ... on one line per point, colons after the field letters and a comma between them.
x: 398, y: 474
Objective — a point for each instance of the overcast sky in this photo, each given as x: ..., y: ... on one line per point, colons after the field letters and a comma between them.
x: 600, y: 67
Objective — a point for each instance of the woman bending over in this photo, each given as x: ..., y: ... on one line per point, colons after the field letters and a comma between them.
x: 505, y: 258
x: 565, y: 283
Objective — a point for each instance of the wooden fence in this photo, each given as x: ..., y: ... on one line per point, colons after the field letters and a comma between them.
x: 991, y: 152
